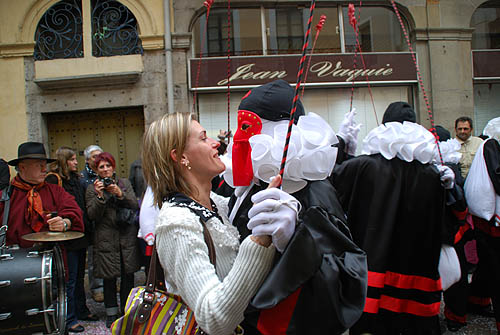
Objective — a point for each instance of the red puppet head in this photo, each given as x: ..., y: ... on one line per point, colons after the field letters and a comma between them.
x: 272, y: 102
x: 249, y: 124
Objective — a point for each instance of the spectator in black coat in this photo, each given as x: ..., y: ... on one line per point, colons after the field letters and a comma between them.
x: 64, y: 172
x: 4, y: 174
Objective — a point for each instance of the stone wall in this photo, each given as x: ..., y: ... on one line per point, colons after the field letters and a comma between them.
x: 149, y: 91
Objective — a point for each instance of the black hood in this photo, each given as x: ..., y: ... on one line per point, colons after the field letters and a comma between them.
x: 272, y: 101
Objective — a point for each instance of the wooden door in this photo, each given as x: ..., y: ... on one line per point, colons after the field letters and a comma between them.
x: 118, y: 132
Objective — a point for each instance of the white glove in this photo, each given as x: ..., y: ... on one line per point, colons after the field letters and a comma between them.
x: 447, y: 176
x: 349, y: 131
x: 150, y: 239
x: 352, y: 142
x: 274, y: 213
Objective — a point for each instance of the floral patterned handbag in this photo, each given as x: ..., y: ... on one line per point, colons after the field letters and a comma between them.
x: 151, y: 310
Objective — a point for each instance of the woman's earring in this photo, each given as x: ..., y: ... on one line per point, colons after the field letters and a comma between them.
x: 186, y: 164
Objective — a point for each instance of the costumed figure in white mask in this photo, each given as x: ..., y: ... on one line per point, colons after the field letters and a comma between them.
x: 461, y: 235
x: 318, y: 281
x: 482, y: 191
x: 395, y: 198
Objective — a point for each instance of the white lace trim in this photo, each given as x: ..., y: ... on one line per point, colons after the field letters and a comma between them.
x: 492, y: 129
x: 310, y: 153
x: 450, y: 151
x: 408, y: 141
x: 223, y: 234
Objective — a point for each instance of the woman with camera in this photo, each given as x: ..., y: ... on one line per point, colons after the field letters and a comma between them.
x: 64, y: 172
x: 111, y: 203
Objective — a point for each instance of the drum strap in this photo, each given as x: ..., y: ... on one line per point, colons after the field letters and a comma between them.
x: 6, y: 192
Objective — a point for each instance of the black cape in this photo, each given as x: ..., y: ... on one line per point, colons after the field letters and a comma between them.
x: 396, y: 213
x: 491, y: 153
x: 318, y: 285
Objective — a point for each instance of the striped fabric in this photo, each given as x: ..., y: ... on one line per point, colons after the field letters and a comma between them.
x: 169, y: 316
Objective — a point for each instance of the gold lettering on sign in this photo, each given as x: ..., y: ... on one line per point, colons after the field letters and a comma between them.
x: 326, y: 68
x: 244, y: 72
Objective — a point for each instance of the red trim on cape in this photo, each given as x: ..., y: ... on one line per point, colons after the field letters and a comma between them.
x: 371, y: 305
x: 401, y: 306
x: 460, y: 233
x: 275, y: 321
x: 452, y: 316
x: 379, y: 280
x: 480, y: 301
x: 409, y: 306
x: 461, y: 215
x: 486, y: 227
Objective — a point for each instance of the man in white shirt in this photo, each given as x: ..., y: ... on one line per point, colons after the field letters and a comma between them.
x: 469, y: 144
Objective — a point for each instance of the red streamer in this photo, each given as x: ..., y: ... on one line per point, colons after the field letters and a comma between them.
x: 228, y: 68
x: 353, y: 21
x: 351, y: 12
x: 297, y: 89
x: 420, y: 81
x: 319, y: 27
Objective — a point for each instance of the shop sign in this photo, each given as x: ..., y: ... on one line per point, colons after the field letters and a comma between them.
x: 486, y: 65
x: 324, y: 70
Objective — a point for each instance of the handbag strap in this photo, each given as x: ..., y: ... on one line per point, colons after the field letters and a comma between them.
x: 156, y: 279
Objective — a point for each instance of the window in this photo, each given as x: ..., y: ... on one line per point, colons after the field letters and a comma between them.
x: 59, y: 32
x: 114, y: 30
x: 286, y: 30
x: 280, y: 30
x: 379, y: 30
x: 217, y: 32
x: 245, y: 37
x: 329, y: 37
x: 486, y: 22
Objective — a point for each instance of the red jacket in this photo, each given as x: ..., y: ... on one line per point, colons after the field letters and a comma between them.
x: 54, y: 198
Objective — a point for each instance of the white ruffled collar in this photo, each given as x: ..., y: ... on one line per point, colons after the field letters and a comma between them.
x: 492, y: 129
x: 409, y: 141
x: 310, y: 152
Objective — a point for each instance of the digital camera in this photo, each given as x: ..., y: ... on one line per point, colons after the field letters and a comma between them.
x: 107, y: 181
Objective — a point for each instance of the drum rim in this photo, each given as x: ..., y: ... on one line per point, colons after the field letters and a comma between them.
x: 53, y: 258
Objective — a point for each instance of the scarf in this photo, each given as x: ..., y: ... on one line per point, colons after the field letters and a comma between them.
x: 35, y: 205
x: 92, y: 175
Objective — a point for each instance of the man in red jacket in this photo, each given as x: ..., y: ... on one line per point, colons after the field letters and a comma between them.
x: 32, y: 200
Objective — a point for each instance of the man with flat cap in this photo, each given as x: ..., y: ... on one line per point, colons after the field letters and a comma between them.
x: 394, y: 199
x: 32, y: 200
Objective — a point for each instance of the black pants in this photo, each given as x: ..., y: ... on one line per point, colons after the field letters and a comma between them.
x: 127, y: 284
x: 82, y: 310
x: 488, y: 248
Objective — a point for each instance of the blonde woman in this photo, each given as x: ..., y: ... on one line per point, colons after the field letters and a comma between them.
x: 179, y: 162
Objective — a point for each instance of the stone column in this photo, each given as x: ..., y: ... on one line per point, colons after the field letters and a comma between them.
x: 441, y: 36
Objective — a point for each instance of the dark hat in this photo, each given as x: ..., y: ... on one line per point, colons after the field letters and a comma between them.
x: 33, y: 150
x: 398, y: 112
x: 443, y: 134
x: 272, y: 101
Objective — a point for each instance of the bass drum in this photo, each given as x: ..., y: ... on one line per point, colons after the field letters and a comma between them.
x: 32, y: 291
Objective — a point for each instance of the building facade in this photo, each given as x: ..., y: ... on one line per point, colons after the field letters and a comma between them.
x: 79, y: 72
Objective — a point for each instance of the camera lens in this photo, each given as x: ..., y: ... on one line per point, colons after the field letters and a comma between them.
x: 107, y: 181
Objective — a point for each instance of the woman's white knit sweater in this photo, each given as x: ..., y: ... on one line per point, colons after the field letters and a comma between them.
x: 217, y: 299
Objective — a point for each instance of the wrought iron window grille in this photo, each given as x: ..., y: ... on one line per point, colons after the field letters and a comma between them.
x: 59, y: 32
x: 114, y: 30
